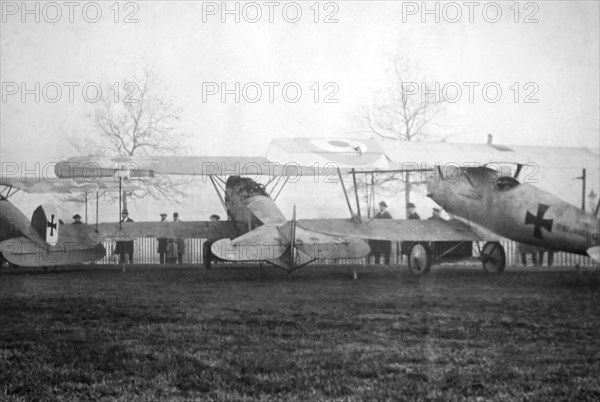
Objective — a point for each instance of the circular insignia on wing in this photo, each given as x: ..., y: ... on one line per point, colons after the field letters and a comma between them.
x: 337, y: 146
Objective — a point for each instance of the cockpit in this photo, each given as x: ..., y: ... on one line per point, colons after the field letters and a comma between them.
x: 505, y: 183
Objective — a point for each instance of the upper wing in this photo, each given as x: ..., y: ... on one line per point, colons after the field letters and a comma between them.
x: 55, y: 185
x: 94, y: 167
x: 406, y: 155
x: 132, y: 230
x: 399, y: 230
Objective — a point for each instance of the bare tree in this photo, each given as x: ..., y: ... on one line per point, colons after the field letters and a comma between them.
x: 404, y: 115
x: 136, y: 117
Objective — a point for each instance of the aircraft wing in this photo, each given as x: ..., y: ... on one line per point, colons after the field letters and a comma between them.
x: 63, y: 186
x: 132, y: 230
x: 137, y: 166
x: 399, y: 230
x: 405, y: 155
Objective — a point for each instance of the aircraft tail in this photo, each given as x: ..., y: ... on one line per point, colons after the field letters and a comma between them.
x: 45, y: 222
x: 23, y: 252
x: 594, y: 252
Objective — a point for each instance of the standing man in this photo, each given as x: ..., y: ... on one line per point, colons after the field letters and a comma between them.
x: 436, y: 215
x: 411, y: 211
x: 180, y: 243
x: 384, y: 247
x: 125, y: 247
x: 162, y: 242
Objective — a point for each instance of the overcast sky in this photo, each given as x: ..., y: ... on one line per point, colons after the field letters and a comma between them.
x: 190, y: 47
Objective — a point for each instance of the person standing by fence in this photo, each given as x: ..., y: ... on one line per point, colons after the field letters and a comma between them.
x: 180, y: 243
x: 123, y: 248
x: 162, y: 242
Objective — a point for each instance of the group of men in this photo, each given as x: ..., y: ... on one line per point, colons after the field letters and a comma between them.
x: 170, y: 250
x: 383, y: 248
x: 124, y: 249
x: 174, y: 248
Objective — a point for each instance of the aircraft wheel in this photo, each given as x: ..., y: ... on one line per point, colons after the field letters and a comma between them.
x: 493, y: 257
x: 419, y: 259
x: 207, y: 254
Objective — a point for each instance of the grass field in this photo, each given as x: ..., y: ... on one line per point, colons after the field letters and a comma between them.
x: 235, y: 333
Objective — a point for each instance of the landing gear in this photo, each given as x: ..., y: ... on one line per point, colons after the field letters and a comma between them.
x: 493, y: 257
x: 420, y: 258
x: 207, y: 255
x: 50, y: 268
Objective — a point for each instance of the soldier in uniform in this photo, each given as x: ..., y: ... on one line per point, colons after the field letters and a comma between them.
x: 162, y: 242
x: 77, y: 219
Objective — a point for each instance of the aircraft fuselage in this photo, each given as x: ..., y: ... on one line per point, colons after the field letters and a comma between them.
x: 518, y: 211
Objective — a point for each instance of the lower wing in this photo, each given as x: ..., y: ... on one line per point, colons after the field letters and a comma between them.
x: 399, y: 230
x: 133, y: 230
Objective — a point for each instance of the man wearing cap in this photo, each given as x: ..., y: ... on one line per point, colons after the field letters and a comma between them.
x: 162, y: 242
x: 180, y: 243
x: 125, y: 247
x: 379, y: 247
x: 436, y: 215
x: 411, y: 211
x: 77, y: 219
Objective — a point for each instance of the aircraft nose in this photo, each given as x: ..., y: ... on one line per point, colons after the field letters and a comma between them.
x: 433, y: 187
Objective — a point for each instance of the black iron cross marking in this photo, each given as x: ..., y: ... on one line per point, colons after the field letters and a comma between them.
x: 52, y: 226
x: 538, y: 221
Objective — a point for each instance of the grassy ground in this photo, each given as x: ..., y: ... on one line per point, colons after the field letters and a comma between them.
x: 249, y: 333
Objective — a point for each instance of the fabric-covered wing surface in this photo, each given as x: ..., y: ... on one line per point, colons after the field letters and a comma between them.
x: 397, y: 230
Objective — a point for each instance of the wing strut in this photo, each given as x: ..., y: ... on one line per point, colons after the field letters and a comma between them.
x: 280, y: 188
x: 345, y: 193
x: 518, y: 171
x: 356, y: 193
x: 223, y: 203
x: 97, y: 195
x: 9, y: 191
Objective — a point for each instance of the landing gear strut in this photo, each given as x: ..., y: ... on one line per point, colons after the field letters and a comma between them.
x: 493, y: 257
x: 207, y: 255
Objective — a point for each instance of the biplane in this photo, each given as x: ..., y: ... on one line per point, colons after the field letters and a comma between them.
x: 472, y: 182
